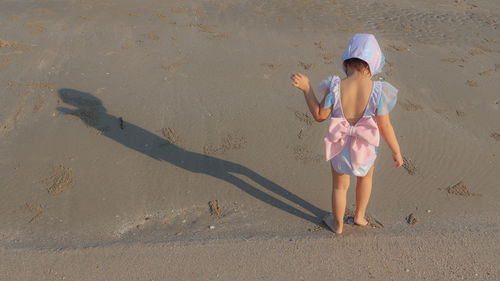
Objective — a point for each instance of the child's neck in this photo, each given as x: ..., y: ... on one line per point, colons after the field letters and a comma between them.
x: 357, y: 75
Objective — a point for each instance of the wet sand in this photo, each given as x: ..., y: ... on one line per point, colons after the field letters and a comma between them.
x: 156, y: 127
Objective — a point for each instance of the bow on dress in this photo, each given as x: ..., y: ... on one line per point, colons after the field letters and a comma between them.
x: 364, y: 136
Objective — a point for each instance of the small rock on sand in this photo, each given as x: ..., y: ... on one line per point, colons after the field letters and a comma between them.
x: 411, y: 219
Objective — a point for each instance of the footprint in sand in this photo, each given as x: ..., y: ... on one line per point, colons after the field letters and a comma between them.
x: 306, y: 66
x: 39, y: 103
x: 37, y: 25
x: 160, y: 15
x: 13, y: 52
x: 328, y: 58
x: 396, y: 47
x: 10, y: 123
x: 471, y: 83
x: 320, y: 45
x: 271, y: 65
x: 453, y: 60
x: 409, y: 166
x: 88, y: 18
x: 495, y: 136
x: 409, y: 106
x: 210, y: 29
x: 372, y: 221
x: 60, y: 180
x: 215, y: 210
x: 151, y: 36
x: 171, y: 137
x: 5, y: 43
x: 487, y: 72
x: 302, y: 152
x: 179, y: 10
x: 461, y: 189
x: 303, y: 117
x: 90, y: 116
x: 479, y: 50
x: 460, y: 113
x: 43, y: 11
x: 173, y: 66
x: 32, y: 208
x: 230, y: 142
x: 101, y: 130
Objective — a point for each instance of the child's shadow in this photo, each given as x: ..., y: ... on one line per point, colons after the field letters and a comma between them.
x: 92, y: 112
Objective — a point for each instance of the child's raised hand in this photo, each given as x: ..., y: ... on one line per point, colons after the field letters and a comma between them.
x: 301, y: 82
x: 398, y: 159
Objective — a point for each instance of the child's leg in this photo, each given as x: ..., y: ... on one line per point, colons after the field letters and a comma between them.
x: 363, y: 191
x: 339, y: 194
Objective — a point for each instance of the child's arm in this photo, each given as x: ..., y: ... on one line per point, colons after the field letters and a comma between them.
x: 319, y: 113
x: 387, y: 132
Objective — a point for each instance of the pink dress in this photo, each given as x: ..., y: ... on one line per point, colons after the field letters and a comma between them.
x: 352, y: 149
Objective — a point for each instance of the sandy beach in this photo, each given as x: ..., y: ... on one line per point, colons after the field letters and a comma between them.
x: 162, y: 140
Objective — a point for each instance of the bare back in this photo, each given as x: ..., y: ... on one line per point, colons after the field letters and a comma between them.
x: 354, y: 96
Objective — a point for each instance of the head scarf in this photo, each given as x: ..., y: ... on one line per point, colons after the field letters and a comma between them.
x: 365, y: 47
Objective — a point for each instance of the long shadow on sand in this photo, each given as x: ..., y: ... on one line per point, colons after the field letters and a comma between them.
x: 92, y: 112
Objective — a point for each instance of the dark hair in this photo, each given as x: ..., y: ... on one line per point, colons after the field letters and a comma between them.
x: 358, y: 64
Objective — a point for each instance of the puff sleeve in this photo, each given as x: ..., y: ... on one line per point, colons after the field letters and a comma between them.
x: 388, y: 98
x: 325, y: 86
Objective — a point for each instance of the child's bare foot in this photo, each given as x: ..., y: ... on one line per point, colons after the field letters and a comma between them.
x: 361, y: 222
x: 328, y: 220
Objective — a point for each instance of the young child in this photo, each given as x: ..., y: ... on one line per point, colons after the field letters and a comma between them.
x: 358, y: 109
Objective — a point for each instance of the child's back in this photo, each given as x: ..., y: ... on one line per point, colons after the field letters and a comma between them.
x: 354, y: 95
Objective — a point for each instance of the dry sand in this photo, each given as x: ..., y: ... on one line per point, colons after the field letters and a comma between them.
x: 163, y: 140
